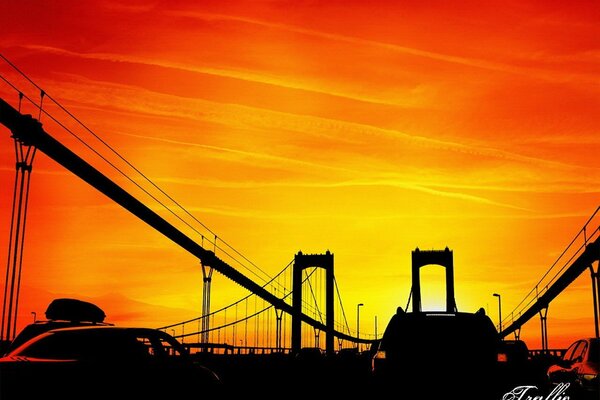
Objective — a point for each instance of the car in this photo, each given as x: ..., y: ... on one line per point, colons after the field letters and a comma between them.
x: 513, y: 352
x: 62, y: 313
x: 310, y: 354
x: 578, y: 367
x: 516, y: 367
x: 134, y: 362
x: 432, y: 354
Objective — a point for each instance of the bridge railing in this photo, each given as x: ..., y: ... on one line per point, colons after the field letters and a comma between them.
x: 223, y: 348
x: 547, y: 352
x: 586, y: 236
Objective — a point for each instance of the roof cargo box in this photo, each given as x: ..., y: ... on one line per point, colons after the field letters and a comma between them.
x: 74, y: 310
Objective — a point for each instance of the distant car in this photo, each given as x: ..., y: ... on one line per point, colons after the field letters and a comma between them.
x: 579, y: 367
x: 310, y: 354
x: 85, y: 361
x: 515, y: 367
x: 432, y: 354
x: 513, y: 352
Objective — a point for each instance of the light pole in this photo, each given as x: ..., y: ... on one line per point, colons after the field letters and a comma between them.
x: 358, y: 306
x: 499, y: 312
x: 34, y: 316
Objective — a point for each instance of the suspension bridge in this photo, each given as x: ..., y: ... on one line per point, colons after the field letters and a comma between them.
x: 299, y: 307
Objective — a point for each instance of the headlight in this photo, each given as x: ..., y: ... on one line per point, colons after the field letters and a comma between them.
x: 589, y: 377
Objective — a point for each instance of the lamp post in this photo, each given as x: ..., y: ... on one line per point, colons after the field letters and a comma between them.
x: 358, y: 306
x: 499, y: 312
x: 34, y: 316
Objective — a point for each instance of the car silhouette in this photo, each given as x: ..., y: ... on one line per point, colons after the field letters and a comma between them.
x: 515, y: 367
x: 432, y: 354
x: 309, y: 354
x: 85, y: 361
x: 578, y: 367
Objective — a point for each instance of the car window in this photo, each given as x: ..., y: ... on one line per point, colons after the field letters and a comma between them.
x: 569, y: 353
x: 167, y: 347
x: 159, y: 346
x: 53, y: 346
x: 579, y: 350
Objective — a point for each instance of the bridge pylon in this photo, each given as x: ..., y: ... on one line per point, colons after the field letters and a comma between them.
x: 422, y: 258
x: 301, y: 262
x: 25, y: 153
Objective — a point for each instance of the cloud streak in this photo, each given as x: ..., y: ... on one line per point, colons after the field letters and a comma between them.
x: 447, y: 58
x: 239, y: 74
x: 239, y: 116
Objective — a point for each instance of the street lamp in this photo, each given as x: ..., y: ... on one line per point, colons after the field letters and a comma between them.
x: 499, y: 312
x: 358, y: 306
x: 34, y: 316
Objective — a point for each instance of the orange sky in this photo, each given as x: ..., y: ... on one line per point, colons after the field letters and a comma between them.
x: 365, y: 128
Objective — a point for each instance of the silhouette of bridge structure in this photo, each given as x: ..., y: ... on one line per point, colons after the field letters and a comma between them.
x: 281, y: 313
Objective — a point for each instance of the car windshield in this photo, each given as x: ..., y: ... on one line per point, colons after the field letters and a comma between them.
x: 50, y: 346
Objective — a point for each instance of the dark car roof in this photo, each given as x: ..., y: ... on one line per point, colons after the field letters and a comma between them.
x: 461, y: 319
x: 62, y: 312
x: 92, y: 330
x: 108, y: 330
x: 407, y: 329
x: 39, y: 327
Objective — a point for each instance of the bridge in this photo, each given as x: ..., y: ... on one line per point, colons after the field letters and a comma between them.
x: 280, y: 314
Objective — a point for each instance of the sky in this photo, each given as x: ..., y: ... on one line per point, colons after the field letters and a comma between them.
x: 364, y: 128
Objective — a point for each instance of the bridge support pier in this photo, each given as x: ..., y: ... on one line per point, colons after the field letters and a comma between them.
x: 544, y: 324
x: 518, y: 333
x: 207, y: 272
x: 278, y: 316
x: 596, y: 295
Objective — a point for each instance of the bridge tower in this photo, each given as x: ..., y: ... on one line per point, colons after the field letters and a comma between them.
x: 301, y: 262
x: 20, y: 125
x: 444, y: 258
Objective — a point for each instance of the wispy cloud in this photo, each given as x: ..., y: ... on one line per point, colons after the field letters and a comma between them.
x: 139, y: 100
x: 136, y: 100
x: 447, y: 58
x: 243, y: 153
x: 290, y: 121
x: 400, y: 182
x: 239, y: 74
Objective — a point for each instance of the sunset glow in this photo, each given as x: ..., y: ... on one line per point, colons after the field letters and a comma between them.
x: 364, y: 128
